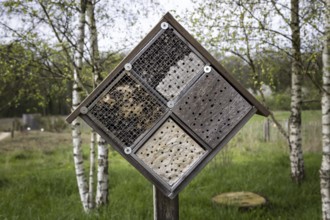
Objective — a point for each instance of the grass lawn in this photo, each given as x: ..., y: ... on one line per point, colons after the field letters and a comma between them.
x: 37, y: 179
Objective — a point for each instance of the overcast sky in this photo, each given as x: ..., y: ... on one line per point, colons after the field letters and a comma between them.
x: 143, y: 26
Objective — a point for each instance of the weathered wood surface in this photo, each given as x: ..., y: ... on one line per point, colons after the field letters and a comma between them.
x: 164, y: 207
x: 170, y: 152
x: 179, y: 76
x: 212, y: 108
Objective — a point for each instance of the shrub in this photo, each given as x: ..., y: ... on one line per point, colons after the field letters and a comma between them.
x: 54, y: 124
x: 279, y: 101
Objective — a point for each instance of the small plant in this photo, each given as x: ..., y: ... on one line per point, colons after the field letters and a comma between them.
x: 21, y: 156
x: 59, y: 124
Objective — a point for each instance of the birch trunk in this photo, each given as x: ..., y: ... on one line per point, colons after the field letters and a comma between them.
x: 102, y: 169
x: 102, y: 173
x: 296, y: 154
x: 76, y: 99
x: 91, y: 170
x: 325, y: 165
x: 95, y: 55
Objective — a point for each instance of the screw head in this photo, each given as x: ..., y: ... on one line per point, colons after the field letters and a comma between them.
x: 128, y: 150
x: 84, y: 110
x: 128, y: 66
x: 164, y: 25
x: 207, y: 69
x: 170, y: 104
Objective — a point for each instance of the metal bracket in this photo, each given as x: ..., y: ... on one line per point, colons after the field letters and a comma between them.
x: 170, y: 104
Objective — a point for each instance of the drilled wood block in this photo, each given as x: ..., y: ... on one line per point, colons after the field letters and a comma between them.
x: 127, y: 110
x: 170, y: 152
x: 165, y: 56
x: 180, y: 75
x: 212, y: 108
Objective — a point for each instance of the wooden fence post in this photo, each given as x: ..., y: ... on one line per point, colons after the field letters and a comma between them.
x: 164, y: 207
x: 266, y: 130
x: 13, y: 126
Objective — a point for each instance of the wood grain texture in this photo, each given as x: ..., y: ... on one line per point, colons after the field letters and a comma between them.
x: 164, y: 207
x: 179, y: 76
x: 170, y: 152
x: 212, y: 108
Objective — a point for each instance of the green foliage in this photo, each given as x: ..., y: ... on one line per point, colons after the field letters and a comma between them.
x: 19, y: 81
x: 54, y: 124
x: 43, y: 185
x: 26, y: 86
x: 279, y: 101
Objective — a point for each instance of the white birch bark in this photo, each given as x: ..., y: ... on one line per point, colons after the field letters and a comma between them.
x: 325, y: 165
x: 102, y: 173
x: 91, y: 170
x: 95, y: 55
x: 296, y: 155
x: 102, y: 168
x: 76, y: 99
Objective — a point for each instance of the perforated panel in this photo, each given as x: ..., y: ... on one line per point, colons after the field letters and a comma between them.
x: 212, y: 108
x: 127, y: 110
x: 170, y: 152
x: 179, y: 76
x: 168, y: 64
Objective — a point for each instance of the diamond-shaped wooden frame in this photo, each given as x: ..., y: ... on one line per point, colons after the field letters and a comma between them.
x: 207, y: 107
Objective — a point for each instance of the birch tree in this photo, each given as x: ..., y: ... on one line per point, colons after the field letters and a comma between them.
x: 77, y: 88
x: 76, y: 99
x: 325, y: 165
x: 102, y: 148
x: 46, y: 21
x: 296, y: 154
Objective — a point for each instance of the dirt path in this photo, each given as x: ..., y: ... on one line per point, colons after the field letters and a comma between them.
x: 4, y: 135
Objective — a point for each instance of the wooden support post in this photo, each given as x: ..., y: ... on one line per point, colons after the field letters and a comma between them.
x: 164, y: 207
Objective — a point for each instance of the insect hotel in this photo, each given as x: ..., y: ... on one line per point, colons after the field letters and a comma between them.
x: 169, y: 107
